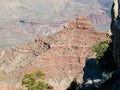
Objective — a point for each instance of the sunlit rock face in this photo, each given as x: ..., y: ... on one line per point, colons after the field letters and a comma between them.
x: 112, y: 83
x: 61, y: 56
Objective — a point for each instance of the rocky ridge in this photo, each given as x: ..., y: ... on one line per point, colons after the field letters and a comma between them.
x: 113, y: 82
x: 61, y: 56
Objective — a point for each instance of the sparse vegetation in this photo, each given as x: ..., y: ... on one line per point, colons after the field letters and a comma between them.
x: 100, y: 48
x: 35, y: 81
x: 104, y: 55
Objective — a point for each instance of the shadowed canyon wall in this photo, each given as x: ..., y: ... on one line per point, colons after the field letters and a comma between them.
x: 115, y: 28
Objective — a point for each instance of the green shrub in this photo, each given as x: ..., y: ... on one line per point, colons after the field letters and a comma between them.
x: 104, y: 55
x: 35, y: 81
x: 101, y: 48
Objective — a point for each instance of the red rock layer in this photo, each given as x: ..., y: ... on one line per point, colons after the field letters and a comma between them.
x: 61, y: 56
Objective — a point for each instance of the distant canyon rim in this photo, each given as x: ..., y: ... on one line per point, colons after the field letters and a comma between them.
x: 23, y: 21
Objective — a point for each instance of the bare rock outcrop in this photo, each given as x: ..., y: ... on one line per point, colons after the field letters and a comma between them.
x: 112, y: 83
x: 115, y: 28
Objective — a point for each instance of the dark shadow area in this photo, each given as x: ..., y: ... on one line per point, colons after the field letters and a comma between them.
x: 92, y: 70
x: 100, y: 75
x: 113, y: 83
x: 93, y: 73
x: 107, y: 62
x: 73, y: 85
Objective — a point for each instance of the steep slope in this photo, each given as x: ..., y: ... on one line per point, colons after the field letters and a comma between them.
x: 113, y: 53
x: 61, y: 56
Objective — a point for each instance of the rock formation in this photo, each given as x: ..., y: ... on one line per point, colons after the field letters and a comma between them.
x: 113, y: 82
x: 61, y: 56
x: 115, y: 28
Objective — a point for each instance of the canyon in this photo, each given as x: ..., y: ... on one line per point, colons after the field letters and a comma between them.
x: 61, y: 56
x: 55, y: 37
x: 23, y: 21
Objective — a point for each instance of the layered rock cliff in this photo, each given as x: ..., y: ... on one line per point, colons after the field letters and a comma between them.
x: 61, y: 56
x: 113, y: 82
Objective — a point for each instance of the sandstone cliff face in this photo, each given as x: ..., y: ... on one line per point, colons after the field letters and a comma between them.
x: 61, y: 56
